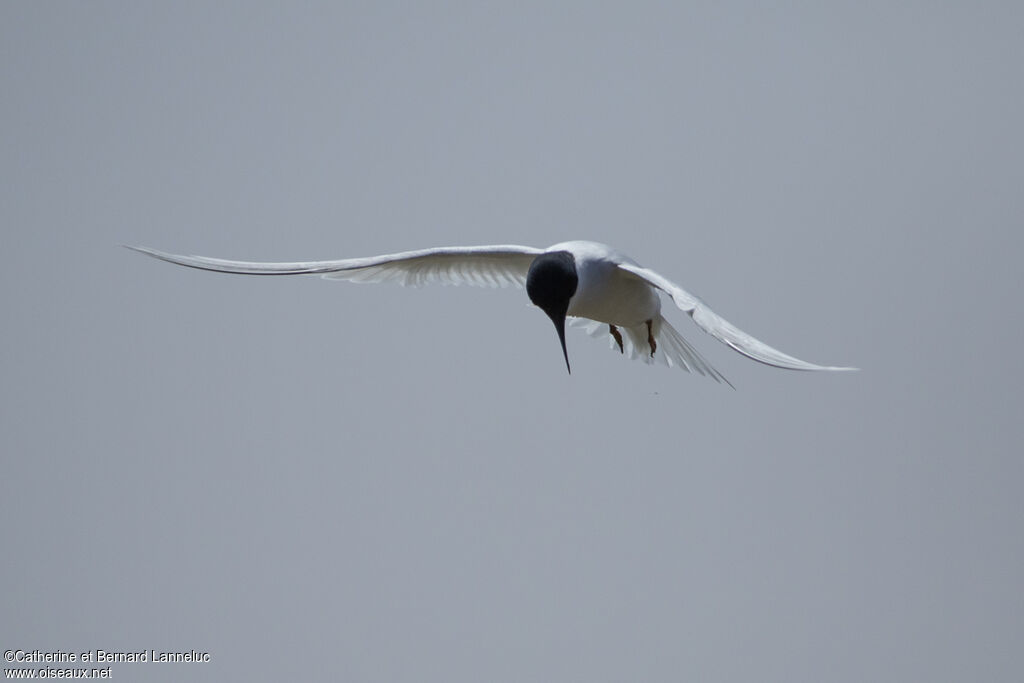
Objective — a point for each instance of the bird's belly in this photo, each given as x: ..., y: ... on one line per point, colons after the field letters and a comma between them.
x: 613, y: 297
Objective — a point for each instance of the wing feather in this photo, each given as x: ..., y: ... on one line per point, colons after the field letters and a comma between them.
x: 483, y: 266
x: 720, y: 328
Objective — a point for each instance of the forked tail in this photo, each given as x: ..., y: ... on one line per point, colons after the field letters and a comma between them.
x: 670, y: 347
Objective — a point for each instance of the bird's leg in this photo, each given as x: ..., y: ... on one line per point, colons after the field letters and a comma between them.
x: 650, y: 339
x: 618, y: 337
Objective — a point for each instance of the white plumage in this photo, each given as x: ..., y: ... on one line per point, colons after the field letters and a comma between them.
x: 610, y: 293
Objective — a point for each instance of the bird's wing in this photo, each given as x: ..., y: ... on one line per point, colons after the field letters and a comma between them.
x: 488, y: 266
x: 720, y: 328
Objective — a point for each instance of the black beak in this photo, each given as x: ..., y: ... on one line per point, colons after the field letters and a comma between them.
x: 559, y: 321
x: 551, y: 284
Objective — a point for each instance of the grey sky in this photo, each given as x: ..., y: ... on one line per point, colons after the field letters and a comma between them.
x: 370, y: 483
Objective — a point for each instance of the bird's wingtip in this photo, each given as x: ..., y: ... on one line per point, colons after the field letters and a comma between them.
x: 155, y: 253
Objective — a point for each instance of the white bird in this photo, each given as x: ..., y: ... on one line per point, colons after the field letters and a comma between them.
x: 583, y: 280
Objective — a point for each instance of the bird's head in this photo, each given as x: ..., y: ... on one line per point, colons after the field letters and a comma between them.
x: 551, y: 283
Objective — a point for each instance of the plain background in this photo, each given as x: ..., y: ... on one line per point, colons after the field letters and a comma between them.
x: 368, y: 483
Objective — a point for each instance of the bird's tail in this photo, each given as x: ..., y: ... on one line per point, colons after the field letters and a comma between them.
x: 671, y: 348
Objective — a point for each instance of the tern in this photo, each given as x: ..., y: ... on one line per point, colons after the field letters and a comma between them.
x: 601, y: 288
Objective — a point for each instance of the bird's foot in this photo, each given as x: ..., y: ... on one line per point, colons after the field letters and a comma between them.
x: 650, y: 339
x: 618, y: 337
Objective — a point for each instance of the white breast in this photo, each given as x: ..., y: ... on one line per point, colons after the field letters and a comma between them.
x: 605, y: 293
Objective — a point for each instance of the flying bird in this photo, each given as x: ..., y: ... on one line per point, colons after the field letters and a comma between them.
x: 602, y: 289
